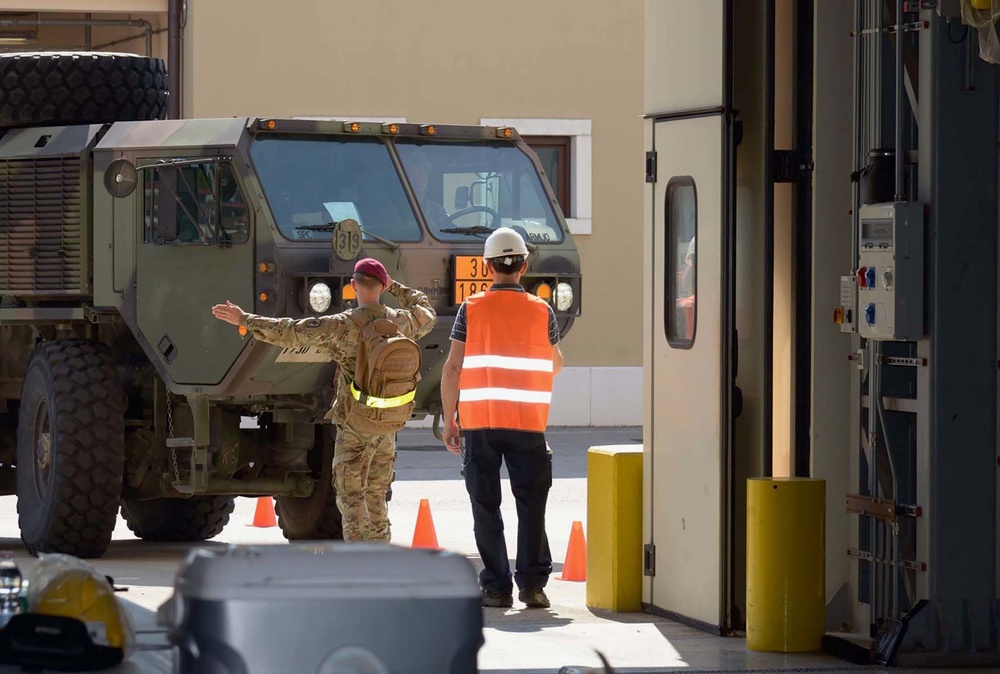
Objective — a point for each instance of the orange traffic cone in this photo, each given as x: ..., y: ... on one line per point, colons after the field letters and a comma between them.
x: 575, y: 567
x: 263, y: 517
x: 424, y: 535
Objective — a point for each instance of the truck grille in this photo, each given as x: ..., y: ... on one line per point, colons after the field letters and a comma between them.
x: 40, y: 227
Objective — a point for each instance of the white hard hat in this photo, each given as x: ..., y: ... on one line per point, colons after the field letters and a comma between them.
x: 504, y: 241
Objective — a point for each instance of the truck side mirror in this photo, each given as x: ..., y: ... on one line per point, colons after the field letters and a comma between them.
x: 120, y: 178
x: 461, y: 196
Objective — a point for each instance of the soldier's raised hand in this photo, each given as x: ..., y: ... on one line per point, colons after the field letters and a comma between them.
x: 230, y: 313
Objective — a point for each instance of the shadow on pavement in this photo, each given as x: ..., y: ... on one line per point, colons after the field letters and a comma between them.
x: 522, y: 620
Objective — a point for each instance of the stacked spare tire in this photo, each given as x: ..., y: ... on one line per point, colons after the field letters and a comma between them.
x: 80, y: 88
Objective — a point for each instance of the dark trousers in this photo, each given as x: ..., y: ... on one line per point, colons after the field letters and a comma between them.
x: 530, y: 468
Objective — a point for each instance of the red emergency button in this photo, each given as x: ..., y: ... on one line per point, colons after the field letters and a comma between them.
x: 862, y: 281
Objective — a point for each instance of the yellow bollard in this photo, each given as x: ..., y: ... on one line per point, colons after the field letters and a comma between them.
x: 614, y: 527
x: 786, y: 541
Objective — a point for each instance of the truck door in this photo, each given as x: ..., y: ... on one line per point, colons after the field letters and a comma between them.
x: 195, y: 249
x: 689, y: 309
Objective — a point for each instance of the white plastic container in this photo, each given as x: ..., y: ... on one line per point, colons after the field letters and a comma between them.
x: 349, y: 608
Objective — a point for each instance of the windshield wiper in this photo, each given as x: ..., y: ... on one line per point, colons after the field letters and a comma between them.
x: 330, y: 226
x: 477, y: 230
x: 471, y: 230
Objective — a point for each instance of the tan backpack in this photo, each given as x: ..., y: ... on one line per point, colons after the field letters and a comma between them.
x: 385, y: 377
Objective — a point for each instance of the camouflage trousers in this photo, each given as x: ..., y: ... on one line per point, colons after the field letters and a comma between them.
x: 362, y: 472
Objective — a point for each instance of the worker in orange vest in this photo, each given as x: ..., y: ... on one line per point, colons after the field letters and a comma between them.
x: 504, y: 355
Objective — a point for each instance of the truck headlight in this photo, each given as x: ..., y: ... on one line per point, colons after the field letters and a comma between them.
x: 320, y: 297
x: 564, y: 296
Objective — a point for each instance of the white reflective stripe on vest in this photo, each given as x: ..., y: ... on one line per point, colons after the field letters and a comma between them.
x: 506, y: 394
x: 508, y: 363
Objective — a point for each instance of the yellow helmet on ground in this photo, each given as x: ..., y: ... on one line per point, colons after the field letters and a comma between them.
x: 77, y: 593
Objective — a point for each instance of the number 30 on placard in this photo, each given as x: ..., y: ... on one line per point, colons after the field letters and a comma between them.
x: 479, y: 270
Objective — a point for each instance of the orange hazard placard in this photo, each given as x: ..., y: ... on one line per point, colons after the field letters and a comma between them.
x: 471, y: 277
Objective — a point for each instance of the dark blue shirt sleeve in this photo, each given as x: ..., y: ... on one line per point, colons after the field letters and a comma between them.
x: 459, y: 329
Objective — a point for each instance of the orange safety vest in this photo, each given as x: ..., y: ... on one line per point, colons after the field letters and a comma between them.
x: 507, y: 371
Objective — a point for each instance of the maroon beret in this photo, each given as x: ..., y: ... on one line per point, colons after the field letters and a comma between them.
x: 373, y: 268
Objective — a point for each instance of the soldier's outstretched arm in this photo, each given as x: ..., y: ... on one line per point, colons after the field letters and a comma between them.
x: 418, y: 316
x: 324, y: 331
x: 286, y: 332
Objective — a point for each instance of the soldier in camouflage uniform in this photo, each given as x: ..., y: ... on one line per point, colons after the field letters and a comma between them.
x: 363, y: 462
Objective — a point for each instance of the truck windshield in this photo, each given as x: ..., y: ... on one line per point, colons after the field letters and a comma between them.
x: 315, y: 181
x: 478, y: 185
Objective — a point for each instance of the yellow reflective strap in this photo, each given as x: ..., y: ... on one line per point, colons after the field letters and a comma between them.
x: 382, y: 403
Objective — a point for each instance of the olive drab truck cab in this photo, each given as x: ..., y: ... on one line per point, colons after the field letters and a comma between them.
x: 118, y: 232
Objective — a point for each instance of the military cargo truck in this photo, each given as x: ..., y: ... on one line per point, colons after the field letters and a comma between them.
x: 119, y: 230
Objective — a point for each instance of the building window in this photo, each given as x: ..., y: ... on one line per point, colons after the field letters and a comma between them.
x: 195, y: 204
x: 554, y: 154
x: 681, y: 224
x: 575, y: 134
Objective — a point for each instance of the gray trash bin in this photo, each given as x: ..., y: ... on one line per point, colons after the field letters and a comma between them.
x: 349, y: 608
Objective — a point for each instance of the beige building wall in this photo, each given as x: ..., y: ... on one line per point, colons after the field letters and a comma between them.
x: 572, y: 66
x: 458, y: 62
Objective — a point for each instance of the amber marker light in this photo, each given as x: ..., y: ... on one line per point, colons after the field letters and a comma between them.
x: 264, y: 297
x: 544, y: 291
x: 265, y: 267
x: 429, y: 130
x: 243, y: 331
x: 505, y: 133
x: 270, y: 125
x: 352, y: 127
x: 347, y: 293
x: 390, y: 128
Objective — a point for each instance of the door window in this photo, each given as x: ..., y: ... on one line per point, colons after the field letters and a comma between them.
x: 681, y: 216
x: 198, y: 204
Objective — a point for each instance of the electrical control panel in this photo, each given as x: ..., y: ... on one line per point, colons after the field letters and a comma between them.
x: 845, y: 314
x: 890, y: 275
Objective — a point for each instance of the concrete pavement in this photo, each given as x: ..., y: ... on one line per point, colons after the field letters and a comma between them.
x: 517, y: 640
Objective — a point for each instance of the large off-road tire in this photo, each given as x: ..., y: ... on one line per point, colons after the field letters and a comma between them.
x: 80, y: 88
x: 178, y: 520
x: 70, y: 449
x: 316, y: 518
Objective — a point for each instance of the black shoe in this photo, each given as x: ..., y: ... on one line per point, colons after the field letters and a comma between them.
x: 497, y: 600
x: 534, y: 598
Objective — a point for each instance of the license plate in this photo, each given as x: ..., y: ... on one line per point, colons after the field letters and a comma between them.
x: 471, y: 277
x: 303, y: 354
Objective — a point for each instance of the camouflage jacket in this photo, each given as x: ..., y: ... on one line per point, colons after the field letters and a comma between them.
x: 338, y: 335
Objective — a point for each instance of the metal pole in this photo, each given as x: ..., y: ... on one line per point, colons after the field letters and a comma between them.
x: 75, y: 22
x: 856, y: 185
x: 767, y: 393
x: 174, y: 58
x: 873, y: 393
x: 900, y: 92
x: 878, y: 19
x: 867, y: 118
x: 859, y: 84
